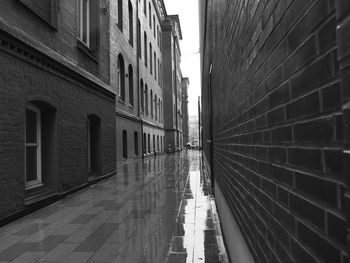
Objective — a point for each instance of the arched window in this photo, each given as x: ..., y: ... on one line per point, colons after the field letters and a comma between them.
x: 125, y: 144
x: 94, y: 144
x: 149, y: 15
x: 136, y: 143
x: 155, y: 65
x: 139, y: 52
x: 146, y: 99
x: 121, y: 77
x: 160, y: 111
x: 158, y: 35
x: 150, y: 58
x: 151, y: 102
x: 131, y: 86
x: 142, y: 96
x: 131, y: 24
x: 155, y: 106
x: 158, y: 73
x: 145, y: 47
x: 154, y: 26
x: 120, y: 14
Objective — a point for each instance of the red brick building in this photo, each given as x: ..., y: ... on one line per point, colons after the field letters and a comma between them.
x: 57, y: 112
x: 275, y: 96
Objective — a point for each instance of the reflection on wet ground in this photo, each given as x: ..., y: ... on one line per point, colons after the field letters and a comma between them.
x: 154, y: 210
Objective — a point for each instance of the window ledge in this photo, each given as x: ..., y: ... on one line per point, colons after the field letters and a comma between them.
x: 130, y: 106
x: 84, y: 48
x: 121, y: 101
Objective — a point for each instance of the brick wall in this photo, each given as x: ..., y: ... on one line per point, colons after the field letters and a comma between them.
x: 63, y: 38
x: 343, y: 21
x: 32, y: 73
x: 279, y: 124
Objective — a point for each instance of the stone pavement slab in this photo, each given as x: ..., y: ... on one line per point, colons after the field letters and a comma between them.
x: 154, y: 210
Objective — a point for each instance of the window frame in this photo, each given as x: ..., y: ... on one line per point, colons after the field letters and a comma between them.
x: 38, y: 182
x: 81, y: 20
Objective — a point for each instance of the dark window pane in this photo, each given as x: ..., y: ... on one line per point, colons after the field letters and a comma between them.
x: 31, y: 126
x: 31, y: 163
x: 85, y: 13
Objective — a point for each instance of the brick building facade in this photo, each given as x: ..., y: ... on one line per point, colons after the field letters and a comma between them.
x: 172, y: 78
x: 184, y: 104
x: 136, y: 50
x: 57, y: 115
x: 275, y: 87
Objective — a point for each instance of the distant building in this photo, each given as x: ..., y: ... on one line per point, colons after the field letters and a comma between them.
x: 136, y: 70
x: 172, y: 83
x: 184, y: 86
x: 193, y: 131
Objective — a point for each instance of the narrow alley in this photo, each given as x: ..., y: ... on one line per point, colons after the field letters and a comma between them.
x: 156, y: 210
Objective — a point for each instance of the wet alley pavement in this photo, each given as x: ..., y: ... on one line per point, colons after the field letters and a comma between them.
x: 154, y: 210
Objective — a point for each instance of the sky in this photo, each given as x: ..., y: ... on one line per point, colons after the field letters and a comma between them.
x: 190, y: 58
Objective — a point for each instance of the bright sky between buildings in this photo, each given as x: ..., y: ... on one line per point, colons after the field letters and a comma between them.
x: 190, y: 64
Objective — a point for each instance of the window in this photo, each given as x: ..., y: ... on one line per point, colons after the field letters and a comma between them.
x: 155, y: 65
x: 151, y: 102
x: 93, y: 142
x: 139, y: 38
x: 155, y: 107
x: 136, y: 143
x: 158, y: 73
x: 131, y: 86
x: 154, y: 143
x: 84, y: 21
x: 144, y: 143
x: 120, y: 14
x: 145, y: 47
x: 121, y: 77
x: 149, y: 143
x: 142, y: 96
x: 144, y: 7
x: 160, y: 111
x: 154, y: 26
x: 33, y: 147
x: 150, y: 58
x: 146, y: 99
x: 131, y: 25
x: 125, y: 144
x: 158, y: 35
x: 158, y: 143
x: 149, y: 15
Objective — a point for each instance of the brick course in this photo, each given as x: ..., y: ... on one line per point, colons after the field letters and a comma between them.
x: 279, y: 78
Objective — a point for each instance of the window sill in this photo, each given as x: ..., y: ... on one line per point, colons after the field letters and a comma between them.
x: 86, y: 50
x: 130, y: 106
